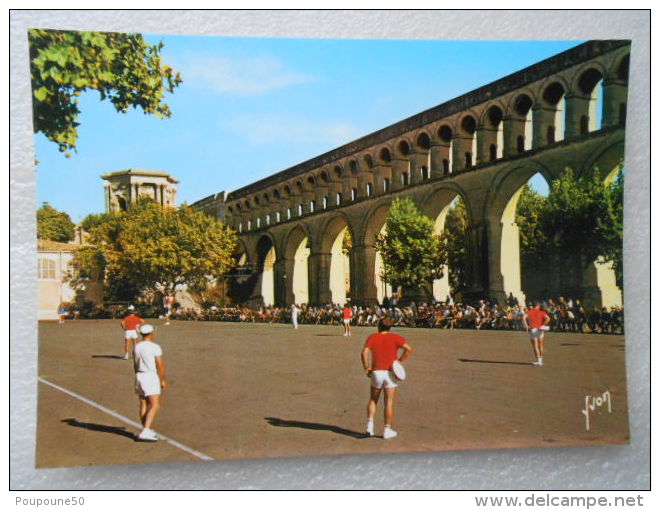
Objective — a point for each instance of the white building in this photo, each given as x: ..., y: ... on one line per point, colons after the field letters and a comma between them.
x: 55, y: 274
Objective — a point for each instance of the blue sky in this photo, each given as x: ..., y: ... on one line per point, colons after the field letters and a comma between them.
x: 250, y: 107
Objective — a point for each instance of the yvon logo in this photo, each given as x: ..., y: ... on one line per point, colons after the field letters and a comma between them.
x: 593, y: 403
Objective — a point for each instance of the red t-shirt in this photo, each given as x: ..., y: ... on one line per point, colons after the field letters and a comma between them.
x: 131, y: 322
x: 348, y: 313
x: 535, y: 318
x: 384, y: 349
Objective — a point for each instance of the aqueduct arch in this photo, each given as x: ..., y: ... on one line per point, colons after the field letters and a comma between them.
x: 436, y: 205
x: 488, y: 143
x: 500, y: 214
x: 333, y: 261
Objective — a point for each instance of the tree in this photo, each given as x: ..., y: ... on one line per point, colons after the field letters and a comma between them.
x: 456, y: 241
x: 93, y: 220
x: 583, y: 216
x: 154, y: 249
x: 54, y: 225
x: 121, y: 67
x: 529, y: 218
x: 615, y: 235
x: 413, y: 255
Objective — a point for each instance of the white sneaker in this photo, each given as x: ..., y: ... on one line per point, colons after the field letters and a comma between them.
x: 147, y: 435
x: 345, y: 334
x: 388, y: 433
x: 538, y: 363
x: 126, y: 356
x: 370, y: 428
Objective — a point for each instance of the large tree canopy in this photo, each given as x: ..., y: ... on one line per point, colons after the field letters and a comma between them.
x: 54, y: 225
x: 413, y: 255
x: 584, y: 216
x: 157, y: 249
x: 121, y: 67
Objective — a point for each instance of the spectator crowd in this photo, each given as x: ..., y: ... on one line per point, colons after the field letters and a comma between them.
x: 567, y: 315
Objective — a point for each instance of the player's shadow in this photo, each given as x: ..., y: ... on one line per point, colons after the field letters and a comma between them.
x: 277, y: 422
x: 121, y: 431
x: 107, y: 356
x: 494, y: 362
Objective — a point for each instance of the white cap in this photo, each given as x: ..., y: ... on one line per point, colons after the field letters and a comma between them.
x: 146, y: 329
x: 131, y: 307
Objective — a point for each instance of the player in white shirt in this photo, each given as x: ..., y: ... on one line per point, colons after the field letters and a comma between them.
x: 295, y: 311
x: 149, y: 380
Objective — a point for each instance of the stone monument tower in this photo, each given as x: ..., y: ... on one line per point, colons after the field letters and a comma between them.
x: 126, y: 186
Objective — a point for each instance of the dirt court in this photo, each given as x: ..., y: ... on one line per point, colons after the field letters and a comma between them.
x: 260, y: 390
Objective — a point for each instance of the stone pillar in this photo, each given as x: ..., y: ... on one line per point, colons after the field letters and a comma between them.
x: 576, y: 108
x: 461, y: 145
x: 479, y: 263
x: 257, y: 220
x: 417, y: 161
x: 542, y: 118
x: 295, y: 200
x: 381, y: 172
x: 513, y: 128
x: 283, y: 269
x: 320, y: 191
x: 106, y: 189
x: 400, y: 166
x: 615, y: 94
x: 349, y: 183
x: 599, y: 286
x: 439, y: 153
x: 335, y: 187
x: 307, y: 197
x: 485, y: 138
x: 318, y: 267
x: 363, y: 266
x: 365, y: 177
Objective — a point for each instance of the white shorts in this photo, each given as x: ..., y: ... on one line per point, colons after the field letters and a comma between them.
x: 382, y: 379
x: 131, y: 334
x: 347, y: 321
x: 147, y: 383
x: 536, y: 333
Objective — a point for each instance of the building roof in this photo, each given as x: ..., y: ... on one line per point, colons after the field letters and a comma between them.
x: 48, y: 245
x: 140, y: 173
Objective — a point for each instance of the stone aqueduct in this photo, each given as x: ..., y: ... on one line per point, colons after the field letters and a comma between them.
x: 482, y: 146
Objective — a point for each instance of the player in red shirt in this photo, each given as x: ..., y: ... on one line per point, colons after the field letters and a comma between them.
x: 130, y: 325
x: 535, y: 320
x: 348, y: 315
x: 384, y: 347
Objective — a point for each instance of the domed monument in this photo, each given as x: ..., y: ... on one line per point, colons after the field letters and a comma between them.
x: 126, y: 186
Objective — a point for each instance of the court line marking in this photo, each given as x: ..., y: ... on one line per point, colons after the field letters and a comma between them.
x: 135, y: 424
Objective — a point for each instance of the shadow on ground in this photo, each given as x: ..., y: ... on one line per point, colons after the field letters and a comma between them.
x: 107, y: 356
x: 277, y: 422
x: 121, y: 431
x: 495, y: 362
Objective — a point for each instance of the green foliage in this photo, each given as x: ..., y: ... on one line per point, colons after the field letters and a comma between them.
x: 413, y: 255
x: 614, y: 235
x: 154, y: 249
x: 121, y: 67
x: 529, y: 217
x: 585, y: 216
x: 456, y: 240
x: 347, y: 242
x: 94, y: 220
x: 54, y: 225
